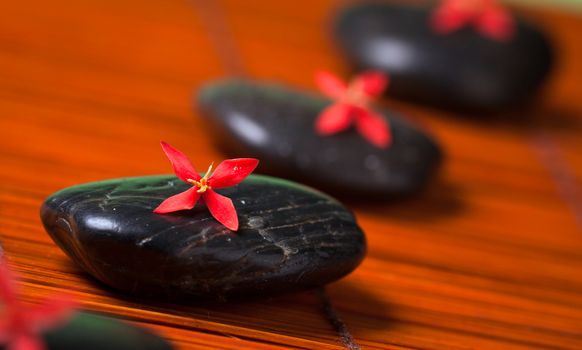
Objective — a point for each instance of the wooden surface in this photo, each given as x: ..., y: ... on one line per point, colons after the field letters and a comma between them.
x: 489, y: 258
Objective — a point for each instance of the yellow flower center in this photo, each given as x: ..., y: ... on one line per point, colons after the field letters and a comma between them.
x: 202, y: 184
x: 356, y: 96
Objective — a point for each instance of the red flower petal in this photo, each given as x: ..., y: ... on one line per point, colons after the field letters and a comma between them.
x: 232, y: 171
x: 181, y: 201
x: 374, y: 128
x: 330, y: 85
x: 26, y: 341
x: 334, y: 119
x: 52, y: 312
x: 447, y: 19
x: 4, y: 329
x: 222, y: 209
x: 181, y: 164
x: 496, y: 23
x: 373, y: 83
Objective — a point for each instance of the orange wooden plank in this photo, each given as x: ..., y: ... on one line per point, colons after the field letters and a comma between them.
x: 489, y: 257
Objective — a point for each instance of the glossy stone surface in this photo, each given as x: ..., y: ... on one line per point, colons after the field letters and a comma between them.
x: 463, y: 70
x: 275, y: 124
x: 290, y: 238
x: 89, y: 332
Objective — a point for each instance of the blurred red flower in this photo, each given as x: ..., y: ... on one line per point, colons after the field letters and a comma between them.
x: 488, y: 16
x: 21, y: 327
x: 352, y: 106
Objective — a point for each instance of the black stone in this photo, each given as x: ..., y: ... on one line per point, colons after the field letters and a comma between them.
x: 290, y: 238
x: 276, y: 125
x: 90, y: 332
x: 462, y: 70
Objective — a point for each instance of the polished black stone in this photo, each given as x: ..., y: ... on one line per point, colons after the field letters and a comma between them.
x: 89, y: 332
x: 462, y: 70
x: 290, y: 238
x: 275, y: 124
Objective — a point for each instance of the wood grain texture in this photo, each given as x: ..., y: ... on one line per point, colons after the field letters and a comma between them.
x: 490, y: 257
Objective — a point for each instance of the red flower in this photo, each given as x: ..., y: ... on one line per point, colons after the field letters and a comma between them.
x: 352, y: 106
x: 21, y: 327
x: 228, y: 173
x: 488, y: 17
